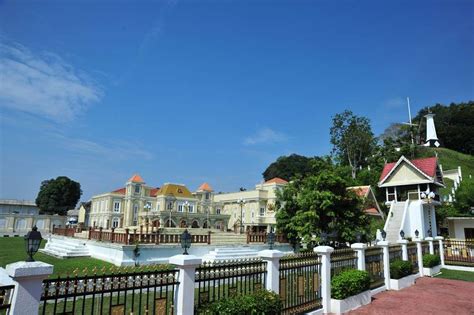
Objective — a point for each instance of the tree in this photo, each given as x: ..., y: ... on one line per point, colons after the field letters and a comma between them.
x: 320, y: 203
x: 353, y: 140
x: 58, y: 195
x: 287, y: 167
x: 464, y: 197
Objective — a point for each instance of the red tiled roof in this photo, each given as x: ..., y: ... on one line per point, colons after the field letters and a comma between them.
x: 136, y: 179
x: 426, y: 165
x: 154, y: 192
x: 276, y: 180
x: 205, y: 187
x: 371, y: 211
x: 360, y: 191
x: 119, y: 191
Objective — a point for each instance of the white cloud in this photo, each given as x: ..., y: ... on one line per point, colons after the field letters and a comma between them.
x: 394, y: 103
x: 265, y: 136
x: 43, y: 84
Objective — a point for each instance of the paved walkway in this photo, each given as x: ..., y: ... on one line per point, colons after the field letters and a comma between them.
x: 428, y: 296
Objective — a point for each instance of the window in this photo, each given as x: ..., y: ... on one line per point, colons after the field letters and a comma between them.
x: 116, y: 206
x: 191, y: 208
x: 218, y: 211
x: 207, y: 196
x: 137, y: 189
x: 170, y: 206
x: 157, y: 207
x: 115, y: 222
x: 135, y: 214
x: 469, y: 233
x: 262, y: 212
x: 180, y: 207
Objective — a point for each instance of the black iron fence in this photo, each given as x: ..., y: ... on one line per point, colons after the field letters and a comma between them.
x: 343, y: 259
x: 425, y: 247
x: 374, y: 266
x: 436, y: 247
x: 6, y: 293
x: 459, y: 252
x: 413, y: 257
x: 217, y: 280
x: 150, y: 292
x: 300, y: 283
x: 395, y: 252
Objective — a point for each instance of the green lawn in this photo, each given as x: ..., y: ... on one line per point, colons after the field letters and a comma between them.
x: 456, y: 275
x: 12, y: 249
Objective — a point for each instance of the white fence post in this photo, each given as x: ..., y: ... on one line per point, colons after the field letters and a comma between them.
x: 404, y: 244
x: 325, y: 253
x: 184, y: 296
x: 360, y: 250
x: 272, y: 257
x: 28, y: 278
x: 441, y: 249
x: 430, y: 241
x: 386, y: 263
x: 419, y: 252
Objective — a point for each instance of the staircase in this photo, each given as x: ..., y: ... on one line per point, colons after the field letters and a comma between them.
x: 227, y: 238
x: 230, y: 253
x: 61, y: 247
x: 394, y: 221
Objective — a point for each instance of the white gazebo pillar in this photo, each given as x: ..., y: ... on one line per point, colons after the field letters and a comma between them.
x: 360, y: 250
x: 441, y: 249
x: 184, y: 296
x: 386, y: 262
x: 404, y: 244
x: 272, y: 257
x: 325, y: 253
x: 419, y: 252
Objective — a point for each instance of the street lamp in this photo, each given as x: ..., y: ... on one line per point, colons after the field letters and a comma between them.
x: 241, y: 202
x: 384, y: 235
x: 32, y: 242
x: 402, y: 234
x: 271, y: 238
x: 186, y: 241
x: 417, y: 233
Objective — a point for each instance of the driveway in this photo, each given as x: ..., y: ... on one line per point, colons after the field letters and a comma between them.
x: 428, y: 296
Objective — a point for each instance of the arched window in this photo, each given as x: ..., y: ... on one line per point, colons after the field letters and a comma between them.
x: 115, y: 222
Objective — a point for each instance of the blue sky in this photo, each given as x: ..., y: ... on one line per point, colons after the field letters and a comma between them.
x: 194, y: 91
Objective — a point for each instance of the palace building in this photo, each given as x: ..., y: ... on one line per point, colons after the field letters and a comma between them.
x: 174, y: 205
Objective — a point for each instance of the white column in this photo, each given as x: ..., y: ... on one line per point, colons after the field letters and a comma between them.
x: 430, y: 241
x: 272, y: 257
x: 325, y: 253
x: 404, y: 249
x: 386, y: 263
x: 441, y: 249
x: 184, y: 295
x: 420, y: 255
x: 28, y: 278
x: 360, y: 250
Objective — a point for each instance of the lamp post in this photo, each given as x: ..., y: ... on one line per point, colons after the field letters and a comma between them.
x: 271, y: 238
x: 32, y: 242
x: 384, y: 235
x: 186, y: 241
x: 241, y: 202
x: 402, y: 234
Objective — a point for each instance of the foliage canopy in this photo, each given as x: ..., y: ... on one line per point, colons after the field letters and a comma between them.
x: 58, y: 195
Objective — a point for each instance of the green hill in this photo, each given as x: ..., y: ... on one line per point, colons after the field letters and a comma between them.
x: 451, y: 159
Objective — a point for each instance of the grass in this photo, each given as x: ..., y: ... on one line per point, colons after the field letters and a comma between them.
x: 13, y: 250
x: 456, y: 275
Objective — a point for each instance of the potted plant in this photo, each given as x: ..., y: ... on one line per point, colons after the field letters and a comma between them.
x: 349, y: 290
x: 431, y: 265
x: 401, y: 274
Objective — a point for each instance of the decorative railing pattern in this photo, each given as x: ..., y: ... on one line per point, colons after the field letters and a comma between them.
x: 6, y: 293
x: 342, y: 259
x: 300, y: 283
x: 425, y: 247
x: 395, y: 252
x: 459, y: 252
x: 120, y: 293
x: 139, y: 236
x: 222, y: 279
x: 66, y: 231
x: 413, y: 257
x: 261, y: 237
x: 374, y: 266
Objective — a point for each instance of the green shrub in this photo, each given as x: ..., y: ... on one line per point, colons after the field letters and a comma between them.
x: 400, y: 268
x: 260, y: 302
x: 348, y: 283
x: 430, y: 261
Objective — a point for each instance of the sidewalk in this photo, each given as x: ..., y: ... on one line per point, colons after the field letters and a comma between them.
x: 432, y: 296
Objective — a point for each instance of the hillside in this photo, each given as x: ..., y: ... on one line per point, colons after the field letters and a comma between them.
x: 451, y: 159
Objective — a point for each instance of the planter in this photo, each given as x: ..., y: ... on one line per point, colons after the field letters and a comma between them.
x: 430, y: 272
x: 351, y: 303
x: 402, y: 283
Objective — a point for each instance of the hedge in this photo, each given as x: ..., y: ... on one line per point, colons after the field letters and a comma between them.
x: 260, y: 302
x: 430, y: 261
x: 348, y: 283
x: 400, y: 268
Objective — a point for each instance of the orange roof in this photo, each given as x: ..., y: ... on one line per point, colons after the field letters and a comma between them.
x: 119, y: 191
x: 360, y: 191
x: 276, y: 180
x: 371, y: 211
x: 205, y: 187
x: 136, y: 179
x: 154, y: 192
